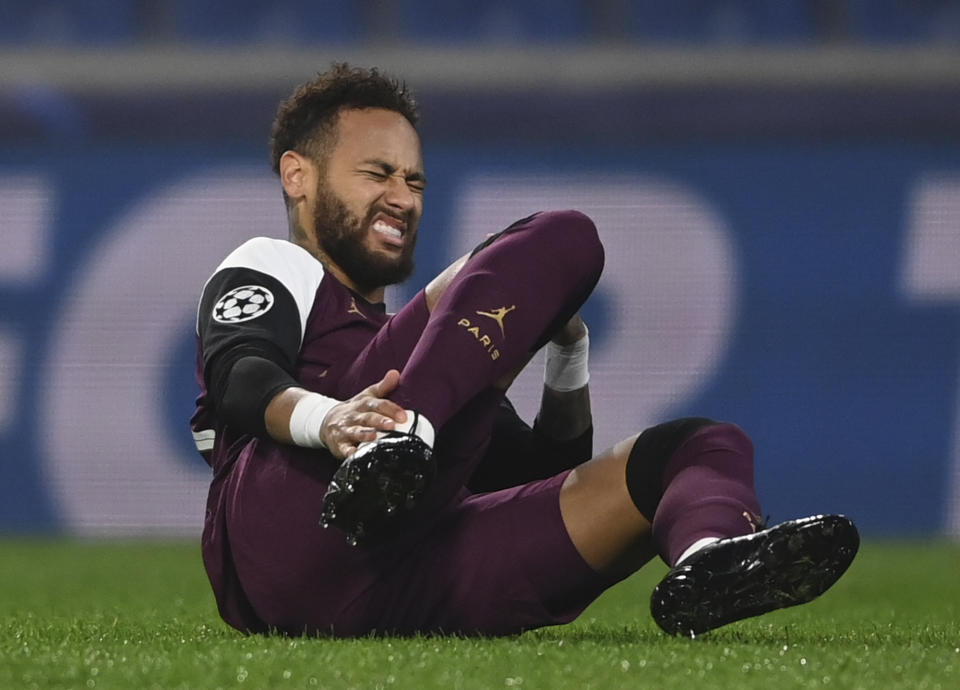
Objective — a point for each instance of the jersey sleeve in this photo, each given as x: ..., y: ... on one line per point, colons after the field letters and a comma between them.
x: 257, y: 303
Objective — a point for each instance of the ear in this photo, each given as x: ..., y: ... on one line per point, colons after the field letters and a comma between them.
x: 296, y: 175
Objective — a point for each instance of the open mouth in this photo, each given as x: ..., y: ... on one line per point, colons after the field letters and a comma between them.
x: 390, y: 230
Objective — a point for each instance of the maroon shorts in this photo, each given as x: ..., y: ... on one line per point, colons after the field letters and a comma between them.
x: 494, y: 564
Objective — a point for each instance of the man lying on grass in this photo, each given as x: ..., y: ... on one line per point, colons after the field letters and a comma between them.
x: 369, y: 475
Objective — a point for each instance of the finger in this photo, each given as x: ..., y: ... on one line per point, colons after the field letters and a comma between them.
x: 574, y: 330
x: 383, y: 408
x: 341, y: 449
x: 358, y: 431
x: 381, y: 390
x: 381, y: 387
x: 386, y: 385
x: 354, y: 437
x: 347, y: 438
x: 379, y: 421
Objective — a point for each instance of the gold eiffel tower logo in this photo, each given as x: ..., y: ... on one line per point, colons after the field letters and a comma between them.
x: 354, y: 309
x: 498, y: 315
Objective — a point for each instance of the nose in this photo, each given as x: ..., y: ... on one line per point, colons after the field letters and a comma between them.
x: 399, y: 196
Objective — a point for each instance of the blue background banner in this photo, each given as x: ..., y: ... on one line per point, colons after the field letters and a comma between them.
x: 806, y: 290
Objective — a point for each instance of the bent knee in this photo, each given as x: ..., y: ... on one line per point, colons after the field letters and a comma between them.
x: 653, y: 449
x: 574, y: 234
x: 570, y: 217
x: 729, y: 435
x: 569, y: 225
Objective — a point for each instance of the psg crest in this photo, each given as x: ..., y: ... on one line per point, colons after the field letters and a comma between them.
x: 243, y: 303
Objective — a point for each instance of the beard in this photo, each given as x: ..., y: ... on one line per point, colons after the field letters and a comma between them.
x: 342, y: 235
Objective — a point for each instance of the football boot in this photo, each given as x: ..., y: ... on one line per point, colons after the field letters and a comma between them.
x: 381, y: 481
x: 740, y: 577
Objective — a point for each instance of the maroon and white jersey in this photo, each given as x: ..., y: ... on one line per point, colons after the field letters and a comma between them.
x: 272, y: 298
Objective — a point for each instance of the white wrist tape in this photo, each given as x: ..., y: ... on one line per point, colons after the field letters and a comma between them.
x: 306, y: 421
x: 565, y: 368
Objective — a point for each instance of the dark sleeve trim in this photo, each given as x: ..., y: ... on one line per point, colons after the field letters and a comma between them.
x: 249, y: 328
x: 249, y: 386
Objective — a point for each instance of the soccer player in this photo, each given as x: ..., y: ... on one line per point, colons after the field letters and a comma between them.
x: 369, y: 475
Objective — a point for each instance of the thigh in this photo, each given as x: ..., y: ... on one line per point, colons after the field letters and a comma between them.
x: 296, y: 575
x: 389, y: 349
x: 493, y: 564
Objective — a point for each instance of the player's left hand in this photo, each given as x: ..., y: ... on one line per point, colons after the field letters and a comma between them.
x: 574, y: 330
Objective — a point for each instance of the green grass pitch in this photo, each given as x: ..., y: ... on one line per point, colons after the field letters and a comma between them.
x: 140, y: 615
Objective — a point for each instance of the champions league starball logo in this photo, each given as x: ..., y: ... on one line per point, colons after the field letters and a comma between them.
x: 243, y: 303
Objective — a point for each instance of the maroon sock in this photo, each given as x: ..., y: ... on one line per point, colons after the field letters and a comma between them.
x: 708, y: 491
x: 527, y: 282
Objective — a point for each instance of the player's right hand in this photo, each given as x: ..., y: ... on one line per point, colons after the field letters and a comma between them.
x: 359, y: 418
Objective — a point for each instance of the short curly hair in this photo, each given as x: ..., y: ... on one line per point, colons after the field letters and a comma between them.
x: 305, y: 121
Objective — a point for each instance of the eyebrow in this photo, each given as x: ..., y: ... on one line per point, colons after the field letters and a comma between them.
x: 389, y: 169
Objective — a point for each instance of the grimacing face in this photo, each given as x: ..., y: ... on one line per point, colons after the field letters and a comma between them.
x: 369, y: 198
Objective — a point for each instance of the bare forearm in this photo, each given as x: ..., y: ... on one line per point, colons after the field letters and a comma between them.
x: 564, y: 415
x: 277, y: 414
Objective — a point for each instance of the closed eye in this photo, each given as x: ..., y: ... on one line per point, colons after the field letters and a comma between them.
x: 417, y: 184
x: 381, y: 170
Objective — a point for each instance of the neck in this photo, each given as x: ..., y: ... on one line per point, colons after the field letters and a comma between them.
x: 297, y: 233
x: 372, y: 295
x: 299, y: 236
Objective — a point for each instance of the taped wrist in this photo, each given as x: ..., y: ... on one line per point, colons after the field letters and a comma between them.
x: 306, y: 421
x: 566, y: 367
x: 248, y: 387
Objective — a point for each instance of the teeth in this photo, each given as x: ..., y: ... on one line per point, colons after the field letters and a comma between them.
x: 387, y: 229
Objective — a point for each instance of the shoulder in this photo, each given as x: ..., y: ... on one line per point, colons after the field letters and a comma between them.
x: 288, y: 264
x: 273, y: 257
x: 276, y: 270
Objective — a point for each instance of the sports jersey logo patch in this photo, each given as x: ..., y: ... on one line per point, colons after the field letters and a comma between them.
x: 243, y: 303
x: 498, y: 315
